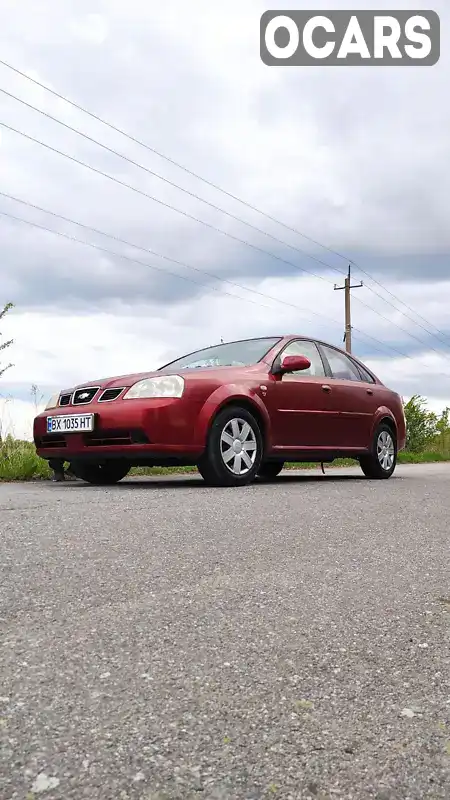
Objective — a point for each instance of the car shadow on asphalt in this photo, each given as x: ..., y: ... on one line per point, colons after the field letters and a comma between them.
x: 179, y: 482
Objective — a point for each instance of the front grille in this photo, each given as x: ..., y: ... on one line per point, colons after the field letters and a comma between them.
x: 64, y: 400
x: 84, y: 396
x: 110, y: 394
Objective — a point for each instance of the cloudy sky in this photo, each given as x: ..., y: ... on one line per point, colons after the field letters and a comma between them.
x: 357, y: 159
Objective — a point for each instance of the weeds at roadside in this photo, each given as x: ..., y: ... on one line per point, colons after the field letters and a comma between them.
x: 20, y: 462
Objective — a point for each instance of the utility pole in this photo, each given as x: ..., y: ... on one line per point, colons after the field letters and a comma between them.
x: 348, y: 319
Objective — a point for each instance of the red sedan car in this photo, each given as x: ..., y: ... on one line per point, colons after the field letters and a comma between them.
x: 237, y: 410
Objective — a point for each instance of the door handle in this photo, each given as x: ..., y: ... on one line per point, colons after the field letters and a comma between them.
x: 326, y: 388
x: 369, y: 391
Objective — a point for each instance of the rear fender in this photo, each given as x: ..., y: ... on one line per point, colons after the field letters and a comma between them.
x: 226, y: 395
x: 380, y: 414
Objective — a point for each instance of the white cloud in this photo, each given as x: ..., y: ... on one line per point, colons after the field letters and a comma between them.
x: 51, y: 347
x: 16, y: 418
x: 356, y: 158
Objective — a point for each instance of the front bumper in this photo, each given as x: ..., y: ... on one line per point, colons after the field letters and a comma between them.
x: 138, y: 430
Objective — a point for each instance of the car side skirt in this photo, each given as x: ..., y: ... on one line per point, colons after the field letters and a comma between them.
x: 156, y: 459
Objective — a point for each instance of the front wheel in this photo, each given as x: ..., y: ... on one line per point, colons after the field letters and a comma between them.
x: 234, y: 449
x: 381, y: 461
x: 101, y: 474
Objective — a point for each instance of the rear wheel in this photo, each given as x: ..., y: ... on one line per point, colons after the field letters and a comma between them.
x: 269, y: 470
x: 234, y: 449
x: 101, y: 474
x: 382, y: 460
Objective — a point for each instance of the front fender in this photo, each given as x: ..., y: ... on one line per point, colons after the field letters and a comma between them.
x: 223, y: 396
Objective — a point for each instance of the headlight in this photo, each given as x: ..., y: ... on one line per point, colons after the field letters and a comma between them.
x: 166, y: 386
x: 53, y: 402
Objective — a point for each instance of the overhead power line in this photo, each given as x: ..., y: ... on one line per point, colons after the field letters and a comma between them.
x: 70, y: 238
x: 221, y: 210
x: 400, y: 327
x: 125, y: 242
x: 171, y: 183
x: 160, y: 202
x: 348, y: 326
x: 67, y: 236
x: 166, y: 158
x: 147, y: 250
x: 157, y: 200
x: 308, y: 312
x: 234, y: 197
x: 437, y: 335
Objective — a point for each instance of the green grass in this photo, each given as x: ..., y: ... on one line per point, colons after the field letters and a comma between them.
x: 428, y: 457
x: 19, y: 462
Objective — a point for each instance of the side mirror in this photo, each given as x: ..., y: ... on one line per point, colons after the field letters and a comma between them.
x: 294, y: 364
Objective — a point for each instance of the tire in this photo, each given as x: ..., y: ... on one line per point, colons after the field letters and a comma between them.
x: 382, y: 460
x: 219, y: 464
x: 269, y: 470
x: 101, y: 474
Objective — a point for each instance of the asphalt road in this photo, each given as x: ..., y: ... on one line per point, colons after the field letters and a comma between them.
x: 164, y: 640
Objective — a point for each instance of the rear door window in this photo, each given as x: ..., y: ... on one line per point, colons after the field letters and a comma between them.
x: 342, y: 368
x: 366, y: 376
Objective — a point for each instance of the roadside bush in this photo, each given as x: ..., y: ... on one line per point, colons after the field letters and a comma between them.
x: 19, y: 461
x: 420, y: 424
x: 441, y: 441
x: 426, y: 431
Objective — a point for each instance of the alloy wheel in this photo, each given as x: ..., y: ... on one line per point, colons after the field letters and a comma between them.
x: 238, y: 446
x: 385, y: 450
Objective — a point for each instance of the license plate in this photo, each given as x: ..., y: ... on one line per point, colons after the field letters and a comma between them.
x: 70, y: 423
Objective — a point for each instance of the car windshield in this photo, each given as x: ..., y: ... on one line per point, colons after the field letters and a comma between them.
x: 232, y: 354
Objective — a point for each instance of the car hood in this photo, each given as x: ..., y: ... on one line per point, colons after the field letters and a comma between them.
x: 224, y: 374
